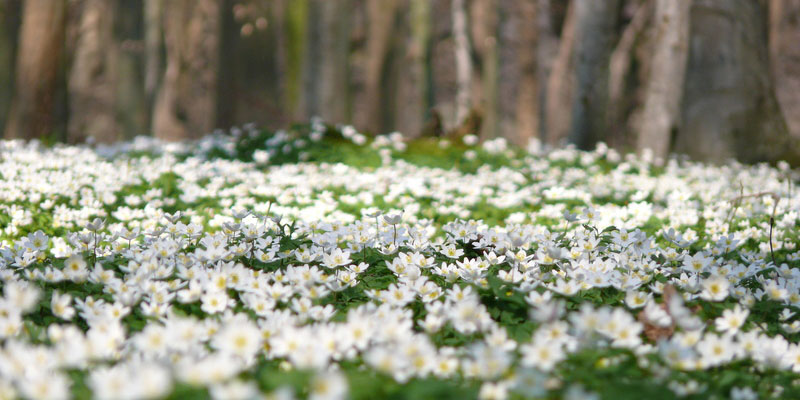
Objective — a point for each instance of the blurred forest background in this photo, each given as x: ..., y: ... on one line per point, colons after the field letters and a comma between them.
x: 713, y: 79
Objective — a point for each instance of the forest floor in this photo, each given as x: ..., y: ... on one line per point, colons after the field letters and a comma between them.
x: 319, y: 262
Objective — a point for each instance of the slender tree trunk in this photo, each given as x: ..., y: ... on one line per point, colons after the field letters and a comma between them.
x: 296, y: 41
x: 380, y: 22
x: 729, y: 104
x: 153, y: 47
x: 561, y: 84
x: 784, y: 40
x: 463, y: 62
x: 278, y: 31
x: 229, y: 78
x: 527, y: 109
x: 661, y: 113
x: 335, y: 59
x: 186, y: 103
x: 311, y: 103
x: 485, y: 15
x: 546, y: 52
x: 412, y: 104
x: 442, y: 62
x: 132, y: 106
x: 628, y: 73
x: 38, y: 60
x: 9, y: 21
x: 596, y: 22
x: 93, y: 77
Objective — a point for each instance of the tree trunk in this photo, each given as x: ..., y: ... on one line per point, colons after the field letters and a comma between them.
x: 310, y: 102
x: 527, y: 109
x: 186, y: 103
x: 153, y: 47
x: 784, y: 36
x: 443, y: 80
x: 546, y: 53
x: 277, y: 29
x: 412, y: 105
x: 296, y: 33
x: 463, y: 64
x: 596, y: 23
x: 380, y: 22
x: 729, y: 104
x: 561, y: 84
x: 93, y: 77
x: 38, y: 60
x: 661, y: 113
x: 335, y: 58
x: 484, y: 28
x: 9, y: 21
x: 628, y: 75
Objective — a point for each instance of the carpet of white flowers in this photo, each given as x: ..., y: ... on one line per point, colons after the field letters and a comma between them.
x: 319, y: 263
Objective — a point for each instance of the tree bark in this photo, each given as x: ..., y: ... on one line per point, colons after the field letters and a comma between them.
x: 443, y: 79
x: 335, y: 59
x: 596, y: 23
x: 153, y: 47
x: 38, y: 60
x: 729, y: 104
x: 296, y: 40
x: 628, y: 73
x: 484, y: 29
x: 10, y: 13
x: 310, y: 101
x: 93, y: 77
x: 784, y: 36
x: 661, y: 113
x: 527, y: 109
x: 561, y: 84
x: 186, y: 103
x: 380, y: 20
x: 413, y: 98
x: 546, y: 53
x: 463, y: 65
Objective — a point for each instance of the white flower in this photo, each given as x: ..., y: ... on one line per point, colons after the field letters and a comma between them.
x: 234, y: 390
x: 60, y: 304
x: 657, y: 315
x: 637, y: 299
x: 75, y: 268
x: 328, y: 386
x: 715, y: 288
x: 744, y: 393
x: 493, y: 391
x: 732, y: 320
x: 45, y: 386
x: 715, y: 350
x: 542, y: 355
x: 336, y: 258
x: 215, y: 302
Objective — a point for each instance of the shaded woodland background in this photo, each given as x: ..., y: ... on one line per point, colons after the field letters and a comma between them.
x: 713, y: 79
